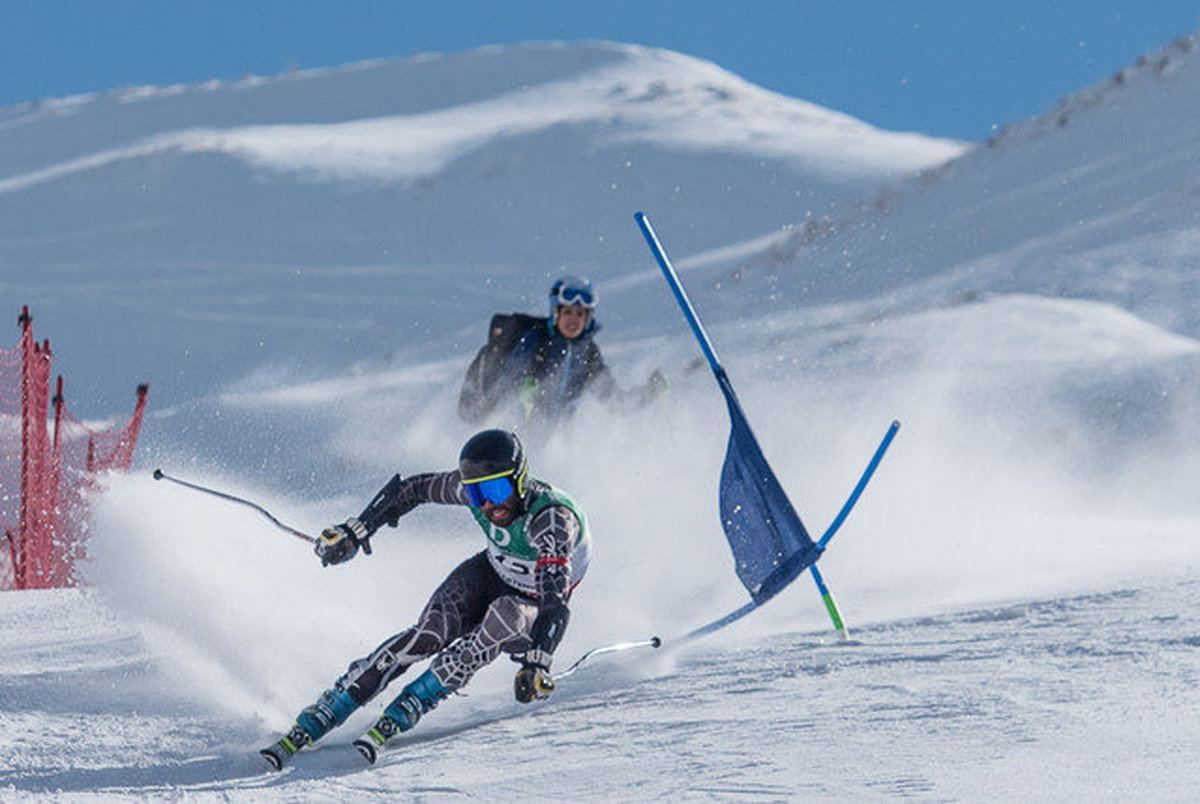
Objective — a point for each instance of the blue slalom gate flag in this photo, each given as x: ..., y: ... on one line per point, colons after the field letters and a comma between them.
x: 769, y: 542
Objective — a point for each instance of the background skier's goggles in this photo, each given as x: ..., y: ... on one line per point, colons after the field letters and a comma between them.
x: 579, y: 296
x: 495, y: 490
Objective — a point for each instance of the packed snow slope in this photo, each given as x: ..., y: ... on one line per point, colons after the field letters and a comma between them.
x: 1019, y: 578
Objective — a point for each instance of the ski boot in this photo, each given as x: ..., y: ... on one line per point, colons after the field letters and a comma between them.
x: 313, y: 722
x: 418, y: 697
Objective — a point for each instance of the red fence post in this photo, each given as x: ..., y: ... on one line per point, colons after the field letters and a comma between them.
x: 25, y: 518
x: 62, y: 553
x: 37, y: 517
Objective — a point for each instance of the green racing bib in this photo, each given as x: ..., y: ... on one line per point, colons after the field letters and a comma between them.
x: 509, y: 550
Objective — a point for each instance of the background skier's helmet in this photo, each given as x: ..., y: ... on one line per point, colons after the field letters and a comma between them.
x: 573, y: 291
x: 492, y: 455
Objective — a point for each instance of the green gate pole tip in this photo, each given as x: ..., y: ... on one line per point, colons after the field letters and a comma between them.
x: 836, y: 616
x: 830, y: 604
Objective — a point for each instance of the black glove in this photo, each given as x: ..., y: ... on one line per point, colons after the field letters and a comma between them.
x: 341, y: 542
x: 533, y: 681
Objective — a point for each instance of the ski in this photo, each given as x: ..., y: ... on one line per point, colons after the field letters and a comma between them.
x: 279, y: 752
x: 368, y: 749
x: 372, y: 743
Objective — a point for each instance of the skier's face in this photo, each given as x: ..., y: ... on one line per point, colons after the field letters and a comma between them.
x: 571, y: 320
x: 502, y: 514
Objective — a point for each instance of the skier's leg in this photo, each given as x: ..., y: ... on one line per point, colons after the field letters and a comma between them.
x: 505, y: 626
x: 439, y: 624
x: 365, y: 677
x: 452, y: 608
x: 418, y: 696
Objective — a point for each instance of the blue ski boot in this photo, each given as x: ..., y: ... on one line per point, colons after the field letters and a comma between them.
x: 419, y: 696
x: 313, y: 723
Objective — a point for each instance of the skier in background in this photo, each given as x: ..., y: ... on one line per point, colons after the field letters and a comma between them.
x: 510, y: 598
x: 547, y: 363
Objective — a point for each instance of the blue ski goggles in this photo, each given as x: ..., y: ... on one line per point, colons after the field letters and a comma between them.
x: 575, y: 296
x: 495, y: 490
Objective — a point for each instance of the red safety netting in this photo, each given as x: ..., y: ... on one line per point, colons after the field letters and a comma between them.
x: 81, y: 456
x: 49, y: 468
x: 10, y: 467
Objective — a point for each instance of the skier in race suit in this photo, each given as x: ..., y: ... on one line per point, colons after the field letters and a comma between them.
x: 509, y: 598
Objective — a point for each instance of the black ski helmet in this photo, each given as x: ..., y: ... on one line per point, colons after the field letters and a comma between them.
x: 494, y: 453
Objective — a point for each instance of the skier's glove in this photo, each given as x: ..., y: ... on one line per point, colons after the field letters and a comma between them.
x: 657, y: 387
x: 533, y: 681
x: 341, y: 542
x: 527, y: 396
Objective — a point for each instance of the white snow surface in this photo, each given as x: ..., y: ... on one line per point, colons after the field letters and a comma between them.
x: 302, y: 267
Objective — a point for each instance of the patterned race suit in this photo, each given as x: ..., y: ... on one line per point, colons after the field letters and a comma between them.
x: 491, y: 602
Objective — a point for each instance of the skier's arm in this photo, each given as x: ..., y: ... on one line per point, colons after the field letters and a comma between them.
x: 401, y: 495
x: 601, y: 382
x: 516, y: 368
x: 552, y: 533
x: 340, y: 543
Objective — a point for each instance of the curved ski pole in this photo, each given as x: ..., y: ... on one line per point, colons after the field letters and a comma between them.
x: 159, y: 474
x: 652, y: 642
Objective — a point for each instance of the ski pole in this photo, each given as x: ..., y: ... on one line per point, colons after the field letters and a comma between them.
x: 159, y: 474
x: 652, y: 642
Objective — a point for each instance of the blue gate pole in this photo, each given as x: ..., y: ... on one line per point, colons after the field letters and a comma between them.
x: 681, y: 296
x: 862, y: 484
x: 718, y: 370
x: 830, y: 604
x: 826, y: 596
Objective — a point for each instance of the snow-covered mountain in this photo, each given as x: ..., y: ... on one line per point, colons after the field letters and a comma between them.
x: 1048, y: 275
x: 1094, y: 199
x: 307, y: 263
x: 294, y: 220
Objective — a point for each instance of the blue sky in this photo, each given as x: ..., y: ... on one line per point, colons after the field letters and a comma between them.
x: 954, y: 68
